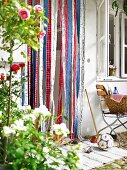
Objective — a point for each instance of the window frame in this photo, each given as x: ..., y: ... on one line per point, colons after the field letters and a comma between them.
x: 123, y: 45
x: 104, y: 37
x: 119, y: 36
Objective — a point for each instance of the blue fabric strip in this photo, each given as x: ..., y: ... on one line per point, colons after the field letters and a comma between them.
x: 33, y: 72
x: 23, y: 86
x: 43, y: 128
x: 78, y: 66
x: 69, y: 59
x: 33, y: 66
x: 44, y: 54
x: 78, y: 18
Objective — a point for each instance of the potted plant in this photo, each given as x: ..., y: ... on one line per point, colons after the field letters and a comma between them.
x: 22, y: 145
x: 112, y: 70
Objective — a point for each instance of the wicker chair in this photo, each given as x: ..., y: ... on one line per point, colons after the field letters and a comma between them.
x: 114, y: 110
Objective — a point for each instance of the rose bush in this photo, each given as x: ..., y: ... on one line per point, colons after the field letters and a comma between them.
x: 23, y: 145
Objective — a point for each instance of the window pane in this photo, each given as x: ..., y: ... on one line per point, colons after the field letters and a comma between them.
x: 111, y: 39
x: 101, y: 61
x: 126, y: 31
x: 102, y: 20
x: 125, y: 60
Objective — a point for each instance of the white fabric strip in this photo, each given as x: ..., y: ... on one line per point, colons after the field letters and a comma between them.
x: 63, y: 51
x: 82, y: 65
x: 41, y: 64
x: 72, y: 78
x: 63, y: 42
x: 26, y: 82
x: 53, y: 52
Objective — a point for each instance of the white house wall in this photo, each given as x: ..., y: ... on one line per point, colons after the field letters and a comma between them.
x: 90, y: 75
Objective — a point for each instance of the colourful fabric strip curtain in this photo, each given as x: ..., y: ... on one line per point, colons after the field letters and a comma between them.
x: 67, y: 14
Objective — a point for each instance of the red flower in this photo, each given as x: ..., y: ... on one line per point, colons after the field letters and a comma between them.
x: 24, y: 14
x: 38, y: 8
x: 15, y: 67
x: 22, y: 65
x: 41, y: 34
x: 2, y: 77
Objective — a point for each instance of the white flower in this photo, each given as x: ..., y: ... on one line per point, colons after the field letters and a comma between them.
x: 21, y: 108
x: 29, y: 116
x: 37, y: 112
x: 0, y: 114
x: 28, y: 107
x: 112, y: 67
x: 42, y: 110
x: 7, y: 131
x: 19, y: 125
x: 46, y: 149
x: 60, y: 129
x: 41, y: 138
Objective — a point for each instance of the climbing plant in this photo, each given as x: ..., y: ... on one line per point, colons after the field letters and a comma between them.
x: 115, y: 6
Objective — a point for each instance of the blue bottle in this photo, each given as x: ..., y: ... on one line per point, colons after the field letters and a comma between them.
x: 115, y: 91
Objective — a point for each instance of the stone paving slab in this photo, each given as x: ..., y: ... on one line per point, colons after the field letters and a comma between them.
x: 96, y: 158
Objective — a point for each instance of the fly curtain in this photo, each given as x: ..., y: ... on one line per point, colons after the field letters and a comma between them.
x: 68, y: 18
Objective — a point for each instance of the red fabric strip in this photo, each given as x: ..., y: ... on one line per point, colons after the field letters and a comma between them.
x: 37, y: 2
x: 29, y: 53
x: 59, y: 111
x: 48, y: 55
x: 36, y: 99
x: 36, y: 81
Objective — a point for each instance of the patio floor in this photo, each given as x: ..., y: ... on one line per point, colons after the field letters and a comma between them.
x: 97, y: 158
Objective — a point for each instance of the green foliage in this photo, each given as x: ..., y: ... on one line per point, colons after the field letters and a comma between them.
x: 125, y: 6
x: 115, y: 6
x: 22, y: 145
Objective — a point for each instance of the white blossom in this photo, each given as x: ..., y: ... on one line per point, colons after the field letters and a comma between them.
x: 7, y: 131
x: 19, y: 125
x: 46, y: 149
x: 28, y: 107
x: 21, y: 108
x: 29, y: 116
x: 60, y: 129
x: 0, y: 114
x: 41, y: 138
x: 42, y: 110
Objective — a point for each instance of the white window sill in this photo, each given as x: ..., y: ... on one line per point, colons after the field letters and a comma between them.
x: 111, y: 79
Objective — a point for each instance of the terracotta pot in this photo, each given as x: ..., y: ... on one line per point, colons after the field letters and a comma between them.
x: 112, y: 71
x: 58, y: 138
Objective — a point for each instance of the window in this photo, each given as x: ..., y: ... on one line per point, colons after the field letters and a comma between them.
x: 124, y: 45
x: 102, y: 38
x: 112, y: 41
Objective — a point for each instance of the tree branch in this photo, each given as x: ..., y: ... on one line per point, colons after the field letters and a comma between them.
x: 18, y: 47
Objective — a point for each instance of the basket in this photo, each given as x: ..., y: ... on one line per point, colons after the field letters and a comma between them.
x: 116, y: 107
